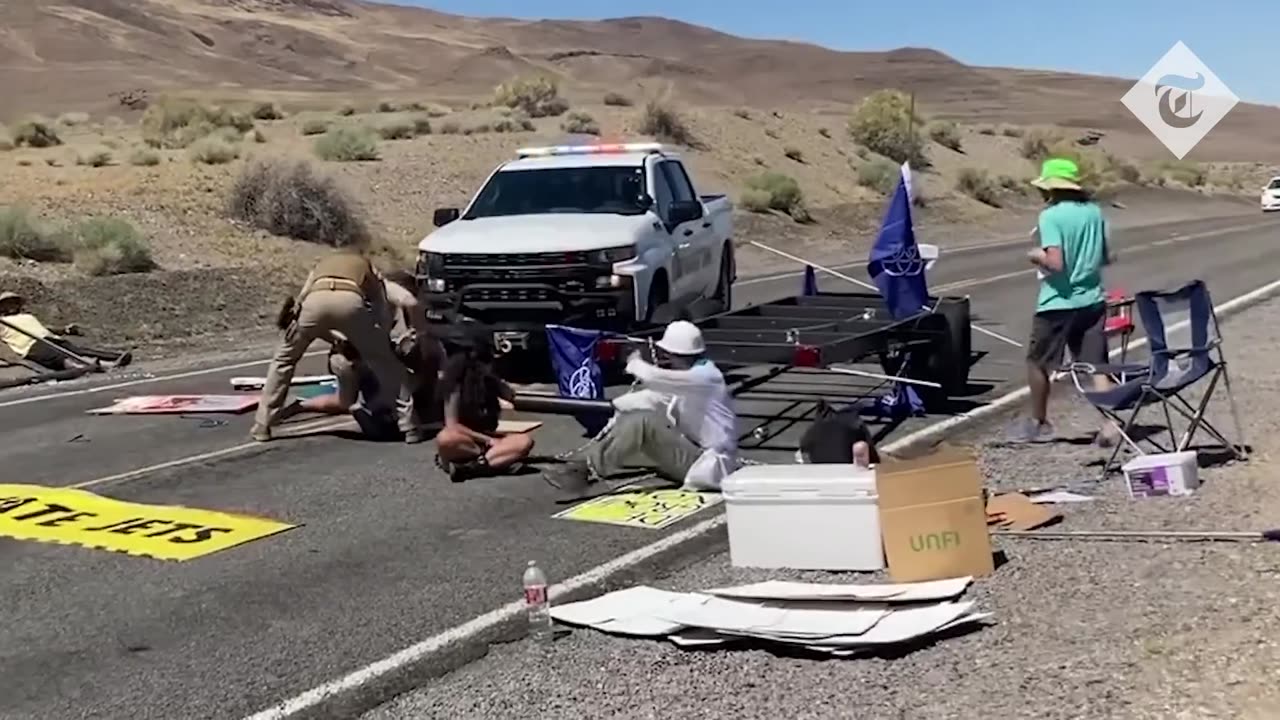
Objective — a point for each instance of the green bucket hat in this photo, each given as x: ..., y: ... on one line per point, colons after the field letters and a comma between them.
x: 1058, y: 174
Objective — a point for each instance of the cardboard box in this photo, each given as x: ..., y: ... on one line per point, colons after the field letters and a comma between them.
x: 933, y: 517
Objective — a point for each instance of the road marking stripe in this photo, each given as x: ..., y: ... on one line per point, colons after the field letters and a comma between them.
x: 513, y: 610
x: 144, y: 381
x: 290, y: 432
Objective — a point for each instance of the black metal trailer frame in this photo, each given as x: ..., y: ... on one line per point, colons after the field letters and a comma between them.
x: 790, y: 340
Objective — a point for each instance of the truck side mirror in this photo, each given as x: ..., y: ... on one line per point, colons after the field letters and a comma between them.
x: 444, y: 216
x: 684, y: 211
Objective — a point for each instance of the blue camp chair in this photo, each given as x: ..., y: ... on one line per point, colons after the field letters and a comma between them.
x: 1186, y: 351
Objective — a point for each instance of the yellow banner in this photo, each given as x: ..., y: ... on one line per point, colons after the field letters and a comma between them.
x: 652, y: 509
x: 76, y: 517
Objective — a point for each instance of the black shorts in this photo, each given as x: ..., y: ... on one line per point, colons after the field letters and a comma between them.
x: 1080, y: 330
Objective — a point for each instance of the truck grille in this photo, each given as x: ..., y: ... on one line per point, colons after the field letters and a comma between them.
x: 514, y: 259
x: 511, y: 294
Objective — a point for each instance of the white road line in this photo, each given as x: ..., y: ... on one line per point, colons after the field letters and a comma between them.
x: 513, y: 610
x: 284, y: 432
x: 143, y: 381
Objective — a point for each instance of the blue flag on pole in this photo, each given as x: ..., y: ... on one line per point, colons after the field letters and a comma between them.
x: 897, y: 268
x: 578, y: 375
x: 895, y: 263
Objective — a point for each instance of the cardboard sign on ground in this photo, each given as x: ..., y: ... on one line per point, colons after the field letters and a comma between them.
x: 178, y: 404
x: 1015, y: 511
x: 933, y: 518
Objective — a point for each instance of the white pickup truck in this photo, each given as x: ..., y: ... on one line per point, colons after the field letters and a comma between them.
x: 611, y: 237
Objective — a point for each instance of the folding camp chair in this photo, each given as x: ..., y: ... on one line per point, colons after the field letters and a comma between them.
x: 1186, y: 350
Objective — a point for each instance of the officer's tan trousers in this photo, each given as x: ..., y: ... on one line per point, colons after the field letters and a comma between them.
x: 321, y: 313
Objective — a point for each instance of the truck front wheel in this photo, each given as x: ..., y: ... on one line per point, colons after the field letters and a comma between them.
x: 658, y: 296
x: 724, y: 286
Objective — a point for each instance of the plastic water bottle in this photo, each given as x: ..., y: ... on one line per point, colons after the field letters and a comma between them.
x: 537, y: 603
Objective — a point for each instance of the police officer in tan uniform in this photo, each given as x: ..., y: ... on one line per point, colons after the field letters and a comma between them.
x: 344, y: 298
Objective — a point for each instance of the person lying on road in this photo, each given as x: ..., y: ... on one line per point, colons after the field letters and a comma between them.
x: 681, y: 422
x: 30, y: 340
x: 472, y: 395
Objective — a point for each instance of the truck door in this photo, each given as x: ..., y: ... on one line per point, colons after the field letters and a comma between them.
x: 692, y: 238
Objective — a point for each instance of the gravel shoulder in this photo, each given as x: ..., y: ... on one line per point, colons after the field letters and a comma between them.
x: 1081, y: 629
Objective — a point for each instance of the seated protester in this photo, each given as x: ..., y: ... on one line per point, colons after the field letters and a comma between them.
x: 680, y: 423
x: 838, y: 437
x: 20, y: 330
x: 472, y: 394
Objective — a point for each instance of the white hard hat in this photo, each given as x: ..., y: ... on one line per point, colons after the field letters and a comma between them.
x: 682, y: 338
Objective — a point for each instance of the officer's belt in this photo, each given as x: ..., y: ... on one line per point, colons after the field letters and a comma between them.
x: 332, y: 283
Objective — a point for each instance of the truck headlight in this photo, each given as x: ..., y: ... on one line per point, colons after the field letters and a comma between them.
x: 430, y: 265
x: 609, y: 256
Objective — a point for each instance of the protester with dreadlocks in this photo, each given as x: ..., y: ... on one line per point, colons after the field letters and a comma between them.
x: 471, y: 391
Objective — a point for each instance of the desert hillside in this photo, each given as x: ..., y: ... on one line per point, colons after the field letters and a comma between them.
x: 169, y: 168
x: 87, y: 54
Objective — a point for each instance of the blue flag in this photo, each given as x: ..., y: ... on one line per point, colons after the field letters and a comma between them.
x: 810, y: 286
x: 895, y: 263
x: 578, y: 375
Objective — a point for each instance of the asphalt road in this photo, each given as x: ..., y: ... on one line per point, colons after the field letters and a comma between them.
x: 388, y: 551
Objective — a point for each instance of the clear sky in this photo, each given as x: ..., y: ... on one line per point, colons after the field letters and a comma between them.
x: 1235, y: 38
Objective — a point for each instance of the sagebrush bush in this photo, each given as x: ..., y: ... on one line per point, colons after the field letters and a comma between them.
x: 581, y: 123
x: 94, y: 157
x: 883, y: 123
x: 1039, y: 144
x: 946, y: 134
x: 1184, y: 172
x: 144, y: 157
x: 287, y: 198
x: 177, y: 123
x: 213, y: 151
x: 386, y: 106
x: 783, y: 194
x: 517, y: 122
x: 421, y: 125
x: 793, y: 153
x: 36, y: 133
x: 879, y: 174
x: 617, y: 100
x: 396, y: 130
x: 986, y: 130
x: 665, y: 123
x: 450, y: 127
x: 23, y: 237
x: 71, y: 119
x: 266, y: 111
x: 347, y: 110
x: 347, y: 145
x: 1012, y: 131
x: 315, y: 126
x: 977, y: 184
x: 111, y: 246
x: 536, y: 96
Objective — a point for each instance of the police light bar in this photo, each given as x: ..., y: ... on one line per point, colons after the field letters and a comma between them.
x: 588, y: 149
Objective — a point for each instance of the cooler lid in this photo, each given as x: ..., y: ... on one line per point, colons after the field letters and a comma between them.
x: 834, y: 480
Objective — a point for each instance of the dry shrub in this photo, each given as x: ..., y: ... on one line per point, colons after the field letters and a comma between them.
x: 1184, y: 172
x: 22, y: 237
x: 287, y: 198
x: 517, y: 122
x: 111, y: 246
x: 536, y: 97
x: 386, y: 106
x: 879, y: 174
x: 347, y: 110
x: 986, y: 130
x: 315, y: 126
x: 71, y: 119
x: 213, y: 151
x: 421, y: 125
x: 775, y: 191
x: 977, y: 184
x: 35, y: 132
x: 347, y: 145
x: 580, y: 123
x: 450, y: 128
x: 743, y: 113
x: 614, y: 99
x: 266, y: 111
x: 793, y: 153
x: 946, y: 134
x: 94, y: 157
x: 437, y: 111
x: 1012, y: 131
x: 824, y: 133
x: 396, y: 130
x: 883, y: 122
x: 144, y: 157
x: 177, y: 123
x: 1039, y: 144
x: 664, y: 122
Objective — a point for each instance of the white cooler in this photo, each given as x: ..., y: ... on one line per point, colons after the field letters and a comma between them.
x: 806, y: 517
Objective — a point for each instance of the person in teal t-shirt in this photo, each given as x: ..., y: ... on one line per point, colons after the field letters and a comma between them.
x: 1071, y: 307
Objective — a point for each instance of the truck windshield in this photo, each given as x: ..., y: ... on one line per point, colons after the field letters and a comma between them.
x: 607, y: 190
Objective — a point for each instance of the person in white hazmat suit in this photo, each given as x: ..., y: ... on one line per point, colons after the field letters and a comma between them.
x: 680, y: 423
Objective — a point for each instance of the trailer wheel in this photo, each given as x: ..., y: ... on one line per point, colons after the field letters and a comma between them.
x: 957, y: 351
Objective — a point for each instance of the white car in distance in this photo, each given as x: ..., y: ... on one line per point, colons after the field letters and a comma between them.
x: 1271, y: 195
